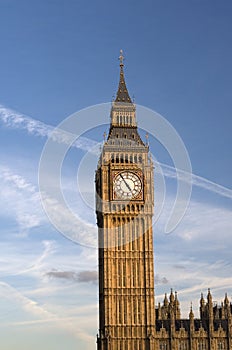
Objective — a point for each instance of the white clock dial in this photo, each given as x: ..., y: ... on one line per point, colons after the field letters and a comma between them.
x: 127, y: 185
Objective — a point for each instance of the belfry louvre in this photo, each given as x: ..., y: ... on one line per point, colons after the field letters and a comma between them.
x: 128, y: 317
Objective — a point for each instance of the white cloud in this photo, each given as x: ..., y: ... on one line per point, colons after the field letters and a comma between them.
x: 20, y: 200
x: 34, y: 127
x: 197, y: 181
x: 197, y: 255
x: 34, y: 314
x: 203, y: 236
x: 17, y: 120
x: 24, y: 258
x: 31, y: 306
x: 81, y: 276
x: 17, y: 181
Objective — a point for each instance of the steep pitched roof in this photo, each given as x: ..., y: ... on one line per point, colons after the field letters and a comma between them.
x: 122, y: 93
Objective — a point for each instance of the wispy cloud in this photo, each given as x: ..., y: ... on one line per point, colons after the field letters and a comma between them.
x: 197, y: 181
x: 160, y: 280
x: 25, y: 258
x: 37, y: 265
x: 34, y: 127
x: 41, y: 315
x: 20, y: 199
x: 29, y: 305
x: 81, y: 276
x: 196, y: 278
x: 16, y: 180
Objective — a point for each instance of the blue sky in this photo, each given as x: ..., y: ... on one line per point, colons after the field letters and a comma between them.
x: 58, y: 57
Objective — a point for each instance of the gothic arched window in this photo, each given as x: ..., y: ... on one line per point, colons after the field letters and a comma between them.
x: 163, y: 346
x: 221, y: 345
x: 182, y: 346
x: 201, y: 345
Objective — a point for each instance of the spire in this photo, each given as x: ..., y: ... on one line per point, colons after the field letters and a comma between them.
x: 177, y: 307
x: 226, y: 300
x: 122, y: 94
x: 209, y: 297
x: 202, y: 300
x: 159, y: 312
x: 165, y: 300
x: 210, y: 307
x: 172, y: 298
x: 191, y: 319
x: 191, y: 314
x: 177, y: 303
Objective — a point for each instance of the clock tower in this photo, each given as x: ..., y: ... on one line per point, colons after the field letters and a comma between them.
x: 124, y: 209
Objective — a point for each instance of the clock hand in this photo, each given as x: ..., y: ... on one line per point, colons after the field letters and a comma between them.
x: 125, y: 183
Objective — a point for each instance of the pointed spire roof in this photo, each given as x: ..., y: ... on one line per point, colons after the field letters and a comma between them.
x: 177, y: 303
x: 226, y: 300
x: 172, y: 298
x: 191, y: 314
x: 122, y: 93
x: 202, y: 300
x: 165, y: 300
x: 209, y: 297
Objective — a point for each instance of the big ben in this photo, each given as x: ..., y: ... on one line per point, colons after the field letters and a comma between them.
x: 124, y: 209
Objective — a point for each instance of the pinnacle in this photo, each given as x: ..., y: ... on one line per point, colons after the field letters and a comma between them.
x: 122, y: 93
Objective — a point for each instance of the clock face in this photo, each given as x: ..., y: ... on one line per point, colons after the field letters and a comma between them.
x: 127, y: 185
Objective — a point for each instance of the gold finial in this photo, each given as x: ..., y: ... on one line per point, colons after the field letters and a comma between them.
x: 121, y: 58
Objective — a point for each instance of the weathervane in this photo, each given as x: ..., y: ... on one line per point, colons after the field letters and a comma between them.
x: 121, y: 58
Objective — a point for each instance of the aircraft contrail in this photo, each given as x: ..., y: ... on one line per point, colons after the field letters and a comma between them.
x: 35, y: 127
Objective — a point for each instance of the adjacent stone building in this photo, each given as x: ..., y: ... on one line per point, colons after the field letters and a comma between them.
x: 212, y: 331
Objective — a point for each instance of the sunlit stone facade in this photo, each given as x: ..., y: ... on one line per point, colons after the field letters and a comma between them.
x: 128, y: 318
